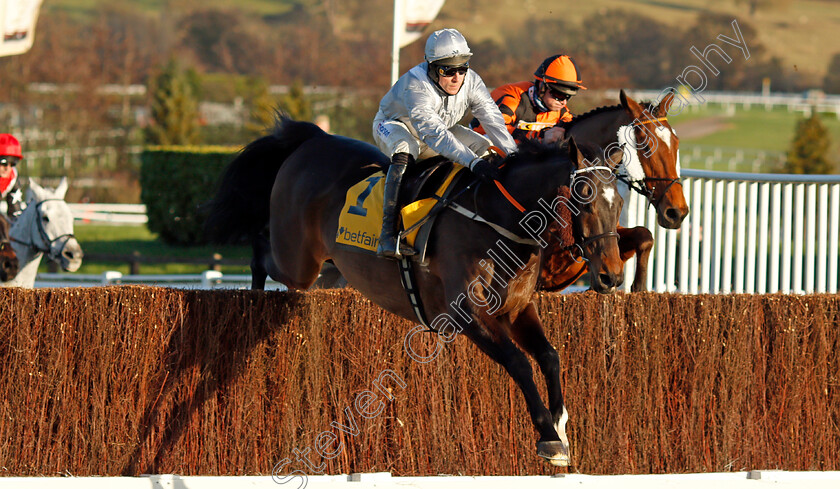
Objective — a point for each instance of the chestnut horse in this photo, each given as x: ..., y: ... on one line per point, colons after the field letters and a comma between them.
x: 477, y: 282
x: 650, y: 166
x: 9, y: 264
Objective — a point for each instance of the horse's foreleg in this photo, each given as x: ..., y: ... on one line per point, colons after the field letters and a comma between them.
x: 501, y: 349
x: 528, y: 333
x: 636, y: 241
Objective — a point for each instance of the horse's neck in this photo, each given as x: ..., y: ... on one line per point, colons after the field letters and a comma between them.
x: 537, y: 183
x: 22, y: 237
x: 29, y: 259
x: 601, y: 128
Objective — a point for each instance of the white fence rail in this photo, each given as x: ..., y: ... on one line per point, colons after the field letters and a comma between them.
x: 794, y: 102
x: 746, y: 233
x: 754, y: 479
x: 110, y: 213
x: 209, y: 279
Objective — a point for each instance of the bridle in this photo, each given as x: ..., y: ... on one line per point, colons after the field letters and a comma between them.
x: 45, y: 238
x: 586, y: 241
x: 640, y: 185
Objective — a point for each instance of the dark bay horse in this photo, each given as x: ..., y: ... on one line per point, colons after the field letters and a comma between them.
x: 9, y: 265
x: 477, y: 282
x: 650, y: 166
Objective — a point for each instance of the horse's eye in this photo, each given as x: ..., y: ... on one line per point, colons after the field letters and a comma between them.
x: 583, y: 191
x: 45, y: 219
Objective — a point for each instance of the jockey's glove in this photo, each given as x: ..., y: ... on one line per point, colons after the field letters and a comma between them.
x: 484, y: 170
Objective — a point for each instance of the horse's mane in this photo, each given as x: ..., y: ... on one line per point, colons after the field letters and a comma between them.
x: 591, y: 113
x: 604, y: 108
x: 534, y: 151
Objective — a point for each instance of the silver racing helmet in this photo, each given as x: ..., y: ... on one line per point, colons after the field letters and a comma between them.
x: 446, y: 47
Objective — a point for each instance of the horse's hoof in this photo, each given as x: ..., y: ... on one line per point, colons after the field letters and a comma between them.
x: 555, y: 452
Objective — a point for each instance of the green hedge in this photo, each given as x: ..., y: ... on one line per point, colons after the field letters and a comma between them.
x: 175, y: 181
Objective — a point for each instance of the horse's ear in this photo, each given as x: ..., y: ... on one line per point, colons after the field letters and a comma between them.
x: 615, y: 157
x: 631, y: 105
x: 35, y: 191
x: 574, y: 152
x: 61, y: 190
x: 665, y: 105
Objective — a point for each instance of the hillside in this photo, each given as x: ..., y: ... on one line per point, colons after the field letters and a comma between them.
x: 801, y: 33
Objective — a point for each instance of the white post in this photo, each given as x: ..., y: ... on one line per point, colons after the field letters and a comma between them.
x: 822, y: 250
x: 685, y: 240
x: 728, y: 237
x: 763, y: 230
x: 834, y: 232
x: 210, y: 278
x: 811, y: 239
x: 399, y: 25
x: 752, y: 232
x: 787, y: 237
x: 740, y: 250
x: 775, y: 237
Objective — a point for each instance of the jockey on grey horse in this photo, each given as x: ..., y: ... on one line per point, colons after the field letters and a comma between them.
x: 10, y: 191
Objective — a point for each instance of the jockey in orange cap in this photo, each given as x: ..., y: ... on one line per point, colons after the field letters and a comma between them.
x: 533, y: 109
x: 10, y: 156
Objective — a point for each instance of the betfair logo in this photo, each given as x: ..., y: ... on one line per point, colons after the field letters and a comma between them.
x: 360, y: 238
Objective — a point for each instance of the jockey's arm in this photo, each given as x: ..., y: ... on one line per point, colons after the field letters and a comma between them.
x: 432, y: 130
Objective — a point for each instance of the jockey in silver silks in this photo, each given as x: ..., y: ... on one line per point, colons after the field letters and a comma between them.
x: 418, y: 118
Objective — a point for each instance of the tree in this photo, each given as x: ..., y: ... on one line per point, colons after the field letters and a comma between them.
x: 808, y: 154
x: 295, y: 103
x: 263, y: 110
x: 831, y: 83
x: 174, y: 108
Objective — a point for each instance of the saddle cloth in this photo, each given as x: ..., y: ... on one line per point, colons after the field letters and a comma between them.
x: 360, y: 220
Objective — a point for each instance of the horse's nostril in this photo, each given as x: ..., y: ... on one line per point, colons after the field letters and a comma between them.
x: 672, y: 214
x: 606, y: 280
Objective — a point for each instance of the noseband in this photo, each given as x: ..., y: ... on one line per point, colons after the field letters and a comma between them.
x: 39, y: 218
x: 641, y: 187
x: 586, y: 241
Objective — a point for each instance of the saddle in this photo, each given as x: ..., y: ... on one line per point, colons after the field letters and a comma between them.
x: 424, y: 184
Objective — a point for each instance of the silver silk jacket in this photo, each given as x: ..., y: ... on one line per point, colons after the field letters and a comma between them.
x: 416, y: 101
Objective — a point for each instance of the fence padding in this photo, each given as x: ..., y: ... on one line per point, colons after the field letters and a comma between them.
x: 130, y: 380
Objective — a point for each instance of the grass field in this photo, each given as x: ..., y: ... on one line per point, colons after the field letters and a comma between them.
x: 754, y: 128
x: 751, y: 130
x: 124, y: 240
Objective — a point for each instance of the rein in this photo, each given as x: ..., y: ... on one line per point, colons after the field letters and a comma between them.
x: 44, y: 236
x: 574, y: 246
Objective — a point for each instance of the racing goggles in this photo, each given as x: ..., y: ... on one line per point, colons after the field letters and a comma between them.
x: 9, y: 160
x: 448, y: 71
x: 560, y: 96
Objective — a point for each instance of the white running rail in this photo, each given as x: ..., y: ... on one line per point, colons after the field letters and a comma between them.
x: 746, y: 233
x: 209, y: 279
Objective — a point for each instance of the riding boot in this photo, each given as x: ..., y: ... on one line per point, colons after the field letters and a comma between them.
x: 388, y: 237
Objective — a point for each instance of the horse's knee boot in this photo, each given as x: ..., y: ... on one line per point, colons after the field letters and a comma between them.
x: 388, y: 237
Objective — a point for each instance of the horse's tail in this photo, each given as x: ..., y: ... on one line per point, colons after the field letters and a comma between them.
x: 241, y: 206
